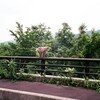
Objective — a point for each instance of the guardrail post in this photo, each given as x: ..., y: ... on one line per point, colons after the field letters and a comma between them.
x: 42, y: 66
x: 87, y: 69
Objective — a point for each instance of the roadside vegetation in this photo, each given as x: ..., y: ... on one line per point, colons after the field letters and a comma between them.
x: 65, y: 43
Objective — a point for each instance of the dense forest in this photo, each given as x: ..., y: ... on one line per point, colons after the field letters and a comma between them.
x: 64, y: 44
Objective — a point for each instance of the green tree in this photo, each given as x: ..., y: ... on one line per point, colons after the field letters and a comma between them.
x: 93, y: 48
x: 5, y: 49
x: 82, y: 28
x: 81, y: 42
x: 64, y: 40
x: 31, y: 38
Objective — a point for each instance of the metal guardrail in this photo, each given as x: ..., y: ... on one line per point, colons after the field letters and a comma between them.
x: 26, y: 60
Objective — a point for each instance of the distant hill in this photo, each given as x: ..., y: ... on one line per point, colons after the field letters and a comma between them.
x: 8, y: 41
x: 98, y: 30
x: 88, y: 32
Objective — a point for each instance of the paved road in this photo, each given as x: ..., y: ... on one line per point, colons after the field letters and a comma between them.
x: 62, y: 91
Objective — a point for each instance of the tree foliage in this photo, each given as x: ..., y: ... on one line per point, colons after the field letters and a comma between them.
x: 64, y: 44
x: 92, y: 50
x: 64, y: 40
x: 35, y: 36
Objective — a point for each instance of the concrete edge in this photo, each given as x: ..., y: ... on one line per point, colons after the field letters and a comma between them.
x: 11, y: 94
x: 59, y: 77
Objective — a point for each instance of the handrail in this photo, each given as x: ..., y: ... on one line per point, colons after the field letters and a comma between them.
x: 51, y: 58
x: 43, y: 63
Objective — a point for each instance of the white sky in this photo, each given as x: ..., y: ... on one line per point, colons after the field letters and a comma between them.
x: 50, y: 12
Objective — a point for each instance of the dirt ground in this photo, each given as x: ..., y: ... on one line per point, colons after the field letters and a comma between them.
x: 50, y: 89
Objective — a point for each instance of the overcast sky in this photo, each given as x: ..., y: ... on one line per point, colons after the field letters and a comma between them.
x: 50, y: 12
